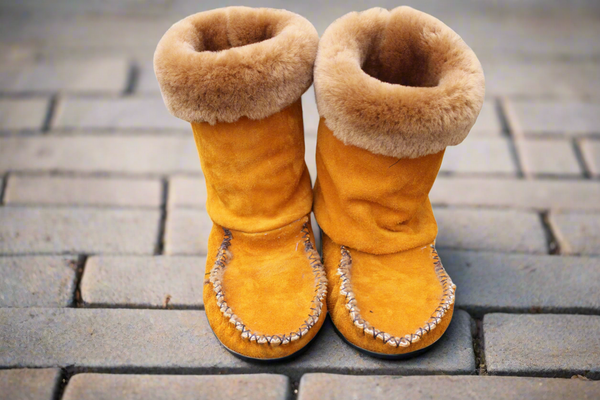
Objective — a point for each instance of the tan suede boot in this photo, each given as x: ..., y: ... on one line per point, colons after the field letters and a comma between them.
x: 237, y: 75
x: 393, y: 88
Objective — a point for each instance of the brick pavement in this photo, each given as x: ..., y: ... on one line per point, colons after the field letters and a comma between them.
x: 103, y: 224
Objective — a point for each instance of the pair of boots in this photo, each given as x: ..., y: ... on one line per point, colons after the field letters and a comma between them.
x: 393, y: 89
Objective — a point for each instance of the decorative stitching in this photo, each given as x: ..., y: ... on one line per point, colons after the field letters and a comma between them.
x: 216, y: 279
x: 448, y: 290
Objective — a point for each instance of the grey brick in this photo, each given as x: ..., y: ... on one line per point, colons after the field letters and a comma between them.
x: 343, y: 387
x: 495, y: 282
x: 101, y: 154
x: 77, y: 230
x: 541, y: 79
x: 488, y: 229
x: 146, y: 79
x: 40, y: 281
x: 480, y: 155
x: 310, y: 112
x: 566, y: 118
x: 591, y: 154
x: 488, y: 122
x: 310, y: 146
x: 123, y: 113
x: 48, y: 190
x: 23, y: 114
x: 94, y: 75
x: 157, y: 387
x: 185, y: 191
x: 121, y: 340
x: 187, y: 232
x: 577, y: 233
x: 549, y: 157
x: 144, y: 282
x: 516, y: 193
x: 542, y: 345
x: 29, y: 384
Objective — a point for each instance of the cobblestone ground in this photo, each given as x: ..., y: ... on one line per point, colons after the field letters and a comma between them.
x: 103, y: 226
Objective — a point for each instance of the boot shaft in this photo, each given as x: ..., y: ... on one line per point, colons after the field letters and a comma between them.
x: 373, y: 203
x: 394, y: 89
x: 256, y: 177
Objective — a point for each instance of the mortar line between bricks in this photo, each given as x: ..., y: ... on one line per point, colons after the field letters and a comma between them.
x: 103, y: 174
x: 585, y: 169
x: 50, y: 112
x: 160, y: 245
x: 479, y: 347
x: 551, y: 238
x: 294, y: 387
x: 63, y: 381
x: 132, y: 79
x: 3, y: 188
x: 509, y: 121
x: 80, y: 267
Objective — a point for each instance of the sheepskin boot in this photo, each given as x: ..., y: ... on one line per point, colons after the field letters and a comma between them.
x: 237, y: 75
x: 393, y: 89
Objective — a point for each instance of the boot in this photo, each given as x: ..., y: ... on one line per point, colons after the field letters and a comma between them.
x: 393, y: 89
x: 237, y: 75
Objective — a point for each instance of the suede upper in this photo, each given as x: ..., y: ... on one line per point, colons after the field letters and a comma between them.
x: 373, y: 203
x: 388, y: 292
x: 265, y: 282
x: 256, y: 177
x: 398, y: 83
x: 234, y: 62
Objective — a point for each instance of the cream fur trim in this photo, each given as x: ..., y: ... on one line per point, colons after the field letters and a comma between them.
x: 398, y: 83
x: 221, y: 65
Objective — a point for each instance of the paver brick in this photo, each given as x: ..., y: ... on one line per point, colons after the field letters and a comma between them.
x: 23, y: 114
x: 39, y: 281
x: 186, y: 191
x: 111, y: 114
x: 178, y: 341
x: 488, y: 121
x: 29, y: 384
x: 560, y: 118
x: 187, y: 232
x: 542, y: 345
x: 164, y: 387
x: 497, y: 282
x: 480, y: 155
x: 146, y: 79
x: 77, y: 230
x: 92, y: 75
x: 135, y: 154
x: 541, y: 79
x: 577, y: 233
x: 143, y: 282
x: 490, y: 229
x: 344, y: 387
x: 591, y: 154
x: 516, y: 193
x: 549, y: 157
x: 310, y: 113
x: 310, y: 157
x: 92, y: 191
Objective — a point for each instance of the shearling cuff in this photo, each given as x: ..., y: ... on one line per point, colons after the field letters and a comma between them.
x: 221, y: 65
x: 399, y: 83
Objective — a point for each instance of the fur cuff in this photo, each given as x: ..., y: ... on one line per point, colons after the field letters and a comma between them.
x: 398, y: 83
x: 221, y: 65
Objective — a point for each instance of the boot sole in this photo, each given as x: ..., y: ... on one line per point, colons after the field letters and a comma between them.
x: 384, y: 356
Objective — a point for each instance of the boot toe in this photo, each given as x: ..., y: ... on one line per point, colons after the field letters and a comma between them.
x: 265, y: 295
x: 388, y: 305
